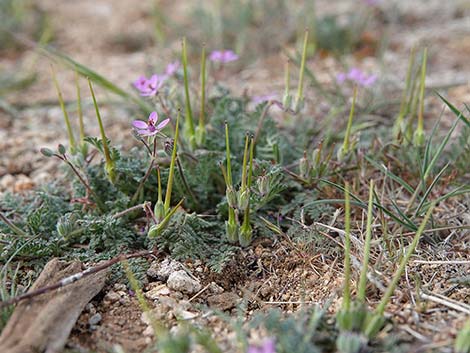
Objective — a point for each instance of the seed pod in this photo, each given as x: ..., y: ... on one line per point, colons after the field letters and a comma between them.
x: 243, y: 199
x: 263, y: 185
x: 287, y: 101
x: 232, y: 198
x: 231, y: 229
x: 246, y: 234
x: 159, y: 211
x: 304, y: 166
x: 169, y: 146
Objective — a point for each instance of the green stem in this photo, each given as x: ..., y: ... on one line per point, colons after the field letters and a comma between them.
x: 347, y: 251
x: 363, y: 279
x: 227, y: 151
x: 107, y: 155
x: 171, y: 175
x: 203, y: 88
x: 244, y: 164
x: 349, y: 126
x: 15, y: 229
x: 64, y: 111
x: 79, y: 109
x: 300, y: 88
x: 406, y: 92
x: 159, y: 180
x: 421, y: 92
x: 189, y: 113
x: 250, y: 168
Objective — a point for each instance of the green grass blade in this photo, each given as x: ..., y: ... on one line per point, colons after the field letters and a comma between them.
x: 457, y: 112
x: 94, y: 76
x: 361, y: 295
x: 429, y: 189
x: 439, y: 151
x: 389, y: 174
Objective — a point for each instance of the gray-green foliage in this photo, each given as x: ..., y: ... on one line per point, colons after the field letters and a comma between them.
x: 191, y: 236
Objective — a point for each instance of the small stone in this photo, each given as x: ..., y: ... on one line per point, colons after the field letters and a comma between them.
x: 23, y: 183
x: 95, y: 319
x: 182, y: 282
x: 162, y: 270
x: 224, y: 301
x: 124, y: 300
x: 145, y: 318
x: 118, y: 287
x: 149, y: 331
x: 157, y: 292
x: 214, y: 288
x: 122, y: 293
x: 111, y: 297
x: 7, y: 182
x: 185, y: 315
x: 90, y: 308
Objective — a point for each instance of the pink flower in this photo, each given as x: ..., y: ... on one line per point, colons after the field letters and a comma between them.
x: 149, y: 87
x: 223, y: 56
x: 356, y: 76
x: 268, y: 346
x: 171, y: 68
x: 149, y: 128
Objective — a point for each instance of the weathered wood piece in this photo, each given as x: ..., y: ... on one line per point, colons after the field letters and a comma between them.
x: 43, y: 323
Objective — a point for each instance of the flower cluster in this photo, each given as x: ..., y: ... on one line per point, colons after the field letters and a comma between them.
x: 150, y: 128
x: 150, y: 86
x: 223, y: 56
x: 357, y: 76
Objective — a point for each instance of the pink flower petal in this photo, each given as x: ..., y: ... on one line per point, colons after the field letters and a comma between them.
x: 171, y: 68
x: 163, y: 124
x: 139, y: 124
x: 153, y: 118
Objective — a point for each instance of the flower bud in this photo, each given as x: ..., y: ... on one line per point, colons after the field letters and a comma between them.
x: 47, y: 152
x: 61, y: 149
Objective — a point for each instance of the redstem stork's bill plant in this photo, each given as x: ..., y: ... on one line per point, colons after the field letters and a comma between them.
x: 256, y: 193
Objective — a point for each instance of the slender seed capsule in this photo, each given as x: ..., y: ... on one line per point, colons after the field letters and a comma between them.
x: 263, y: 185
x: 243, y: 199
x: 304, y: 166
